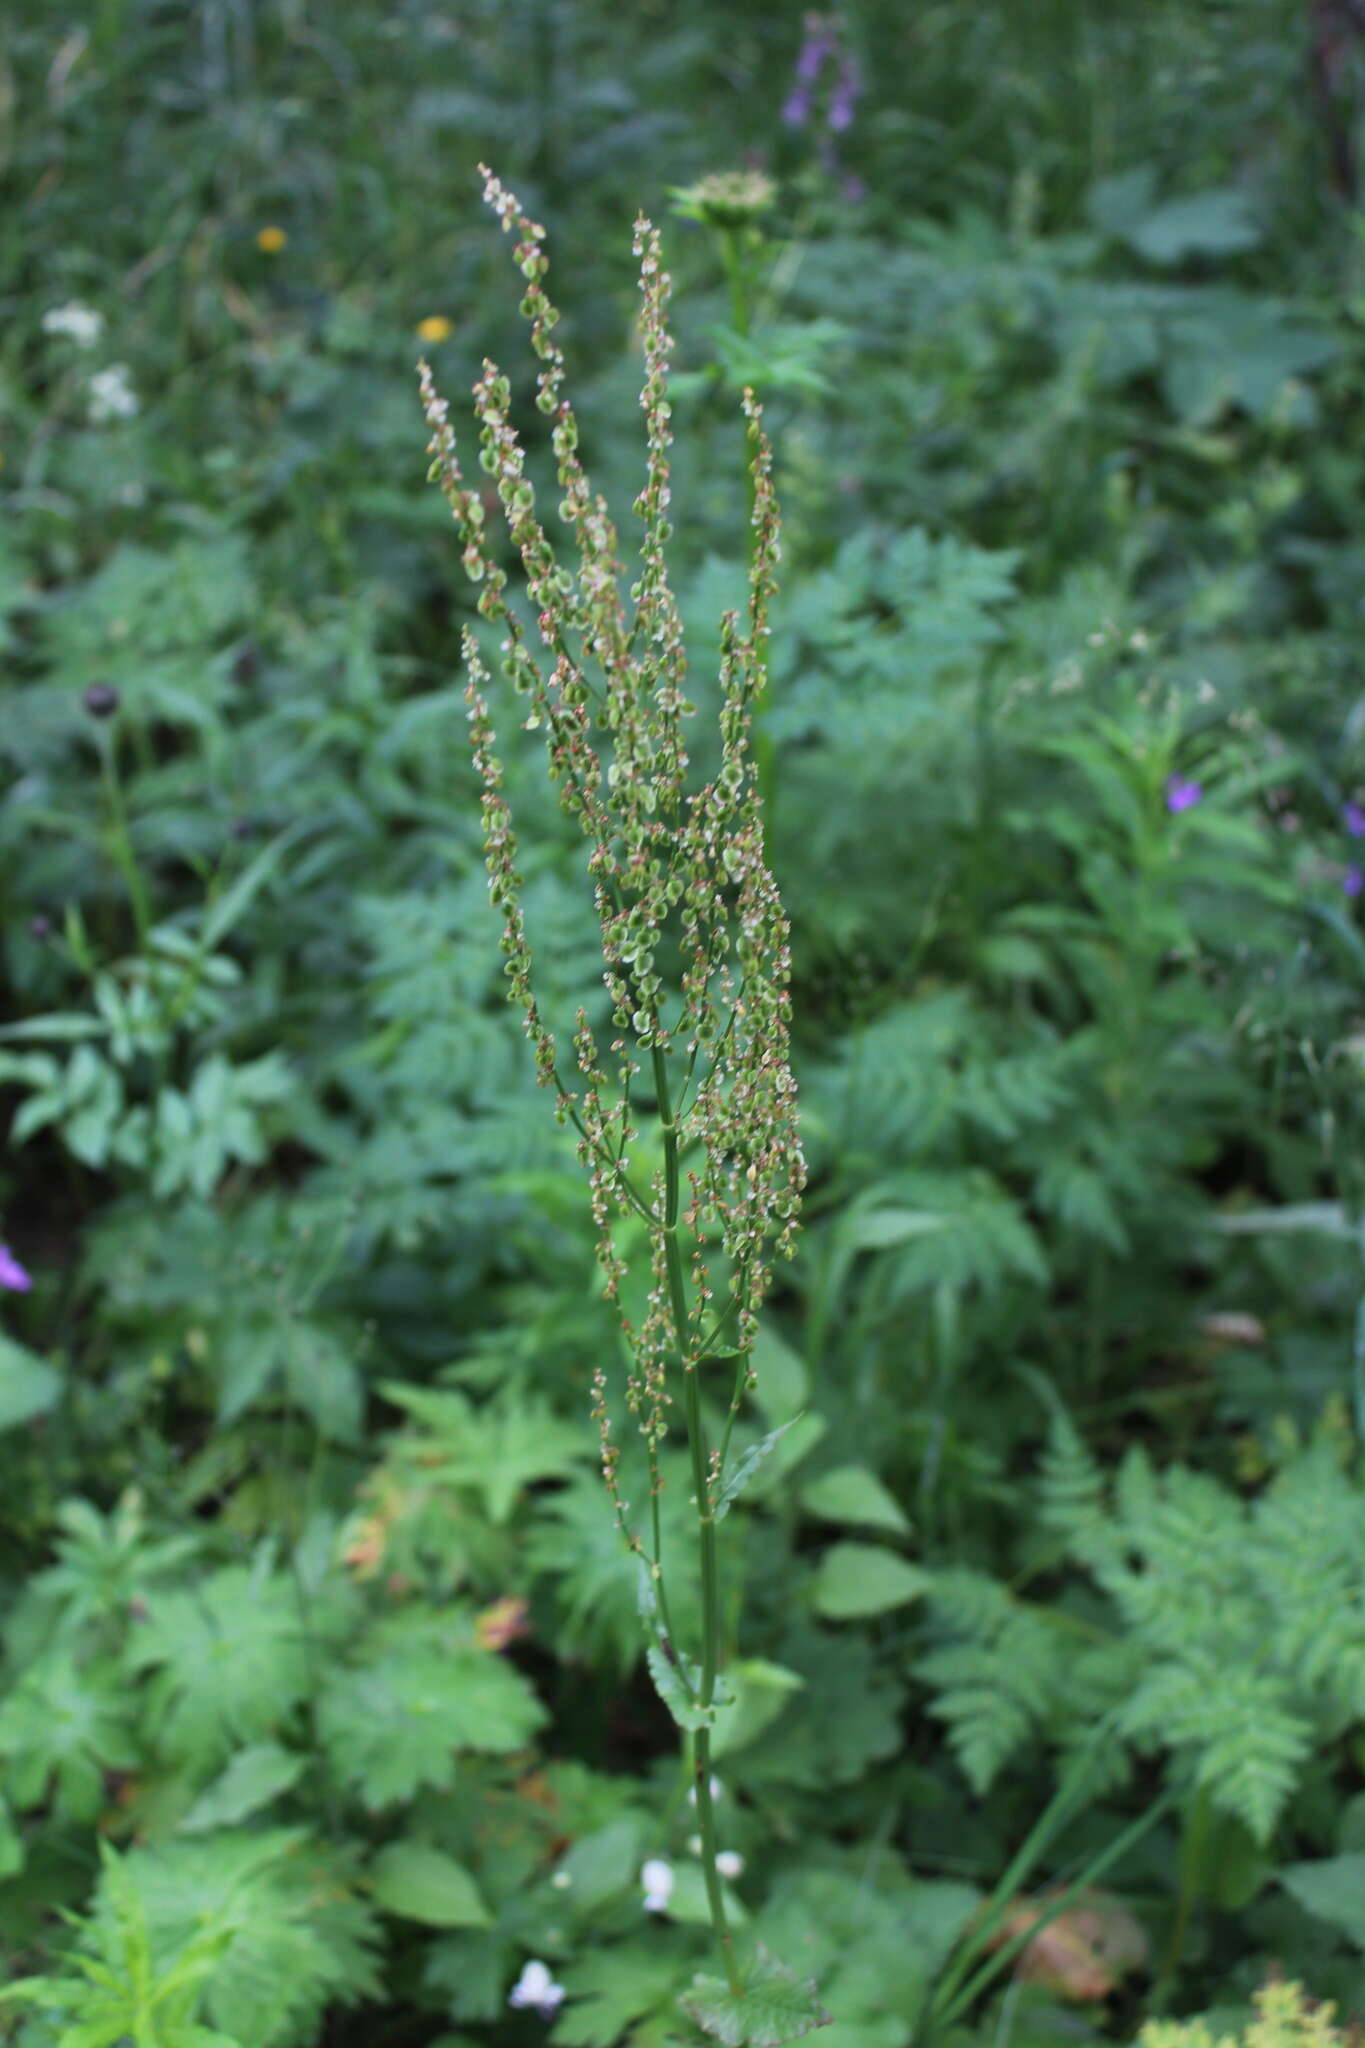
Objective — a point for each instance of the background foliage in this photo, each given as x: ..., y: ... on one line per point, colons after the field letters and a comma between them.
x: 322, y: 1708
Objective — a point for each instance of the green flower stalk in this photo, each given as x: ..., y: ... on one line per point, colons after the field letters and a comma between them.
x: 694, y: 941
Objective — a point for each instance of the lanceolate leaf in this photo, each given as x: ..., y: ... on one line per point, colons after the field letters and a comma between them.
x: 741, y: 1470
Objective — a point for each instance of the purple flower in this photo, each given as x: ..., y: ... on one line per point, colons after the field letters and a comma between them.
x: 1353, y: 818
x: 817, y: 46
x: 797, y: 108
x: 12, y: 1274
x: 1353, y: 881
x: 1182, y: 795
x: 844, y: 97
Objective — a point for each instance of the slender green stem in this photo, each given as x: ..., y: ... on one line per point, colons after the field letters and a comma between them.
x: 121, y: 840
x: 701, y: 1484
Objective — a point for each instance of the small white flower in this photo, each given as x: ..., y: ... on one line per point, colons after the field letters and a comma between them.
x: 536, y: 1987
x: 81, y: 324
x: 112, y: 396
x: 657, y: 1879
x: 561, y: 1880
x: 730, y: 1863
x: 716, y: 1790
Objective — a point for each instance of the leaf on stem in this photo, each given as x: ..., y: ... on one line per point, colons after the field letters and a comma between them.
x: 741, y: 1470
x: 675, y: 1690
x: 773, y: 2006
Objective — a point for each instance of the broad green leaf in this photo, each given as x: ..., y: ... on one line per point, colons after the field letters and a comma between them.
x: 880, y: 1230
x: 772, y: 2007
x: 1332, y: 1890
x: 28, y: 1386
x: 611, y: 1987
x: 601, y: 1865
x: 761, y: 1692
x: 857, y: 1579
x: 783, y: 1381
x: 418, y: 1881
x: 852, y: 1495
x: 688, y: 1903
x: 1218, y: 222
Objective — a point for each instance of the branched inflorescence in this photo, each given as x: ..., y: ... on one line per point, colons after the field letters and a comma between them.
x: 694, y: 941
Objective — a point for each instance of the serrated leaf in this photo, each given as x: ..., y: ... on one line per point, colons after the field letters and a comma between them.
x: 852, y: 1495
x: 772, y: 2007
x: 672, y: 1690
x: 857, y: 1579
x: 417, y: 1881
x: 742, y: 1469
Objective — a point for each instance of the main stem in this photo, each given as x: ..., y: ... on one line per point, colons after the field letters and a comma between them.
x: 710, y: 1589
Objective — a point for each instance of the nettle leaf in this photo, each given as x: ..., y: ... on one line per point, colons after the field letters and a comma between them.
x: 852, y: 1495
x: 673, y: 1689
x: 396, y: 1722
x: 741, y: 1470
x: 418, y: 1881
x: 229, y: 1658
x: 772, y: 2007
x: 857, y: 1579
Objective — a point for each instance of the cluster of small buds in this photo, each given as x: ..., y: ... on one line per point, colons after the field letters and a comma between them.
x: 677, y: 871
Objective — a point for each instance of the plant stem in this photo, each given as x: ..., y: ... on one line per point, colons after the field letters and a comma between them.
x: 710, y: 1590
x: 120, y: 841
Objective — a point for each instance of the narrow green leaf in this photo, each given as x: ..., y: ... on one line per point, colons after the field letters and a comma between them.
x: 741, y: 1470
x: 236, y: 899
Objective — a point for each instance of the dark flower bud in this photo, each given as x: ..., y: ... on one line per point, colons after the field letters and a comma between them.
x: 101, y: 700
x: 40, y: 927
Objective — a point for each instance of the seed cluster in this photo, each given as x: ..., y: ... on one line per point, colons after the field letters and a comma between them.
x: 694, y: 941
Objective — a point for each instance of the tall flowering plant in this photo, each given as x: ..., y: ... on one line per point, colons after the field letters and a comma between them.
x: 695, y: 964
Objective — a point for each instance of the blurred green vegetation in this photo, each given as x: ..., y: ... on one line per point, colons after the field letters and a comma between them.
x: 321, y: 1700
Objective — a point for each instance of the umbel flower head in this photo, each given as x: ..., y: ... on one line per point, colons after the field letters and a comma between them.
x: 694, y: 943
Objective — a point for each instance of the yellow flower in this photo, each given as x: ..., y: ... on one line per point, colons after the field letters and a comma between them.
x: 434, y: 328
x: 271, y: 240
